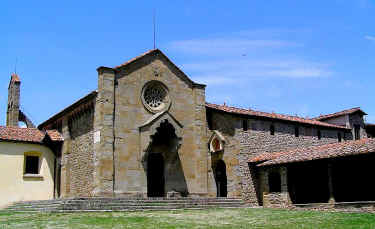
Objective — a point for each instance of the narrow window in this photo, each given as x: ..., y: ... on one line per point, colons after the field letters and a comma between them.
x: 296, y: 131
x: 272, y: 129
x: 32, y: 165
x: 244, y: 125
x: 209, y: 120
x: 339, y: 137
x: 274, y: 181
x: 319, y: 134
x: 357, y: 132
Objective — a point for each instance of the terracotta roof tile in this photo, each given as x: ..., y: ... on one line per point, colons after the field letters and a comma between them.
x: 21, y: 134
x: 271, y: 115
x: 55, y: 135
x: 342, y: 149
x: 12, y: 133
x: 344, y: 112
x: 136, y: 58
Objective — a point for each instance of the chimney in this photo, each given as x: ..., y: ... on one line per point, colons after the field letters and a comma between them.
x: 13, y: 100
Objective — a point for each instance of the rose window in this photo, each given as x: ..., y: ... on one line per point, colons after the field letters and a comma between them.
x: 155, y: 96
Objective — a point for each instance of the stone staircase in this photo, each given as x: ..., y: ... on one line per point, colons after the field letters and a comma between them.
x: 123, y: 204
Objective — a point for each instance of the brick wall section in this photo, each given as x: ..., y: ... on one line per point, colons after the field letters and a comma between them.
x: 243, y: 145
x: 80, y: 157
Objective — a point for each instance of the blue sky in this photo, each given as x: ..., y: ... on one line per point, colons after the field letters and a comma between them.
x: 292, y: 57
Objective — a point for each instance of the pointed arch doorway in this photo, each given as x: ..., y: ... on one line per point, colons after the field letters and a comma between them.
x: 164, y: 168
x: 221, y: 178
x: 155, y: 175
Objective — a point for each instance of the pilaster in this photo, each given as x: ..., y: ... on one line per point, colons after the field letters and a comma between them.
x: 104, y: 133
x: 200, y: 140
x: 65, y: 178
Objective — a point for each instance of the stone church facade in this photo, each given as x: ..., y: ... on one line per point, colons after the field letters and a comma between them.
x: 147, y: 131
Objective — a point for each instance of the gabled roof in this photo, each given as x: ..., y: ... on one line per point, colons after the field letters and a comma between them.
x: 154, y: 52
x: 340, y: 113
x: 334, y: 150
x: 289, y: 118
x: 32, y: 135
x: 70, y: 108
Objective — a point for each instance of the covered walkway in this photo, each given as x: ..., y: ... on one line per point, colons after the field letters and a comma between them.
x: 339, y: 172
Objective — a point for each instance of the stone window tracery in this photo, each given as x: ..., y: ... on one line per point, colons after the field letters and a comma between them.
x: 155, y: 97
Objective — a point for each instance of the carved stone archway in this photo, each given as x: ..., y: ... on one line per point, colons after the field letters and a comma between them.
x: 161, y: 138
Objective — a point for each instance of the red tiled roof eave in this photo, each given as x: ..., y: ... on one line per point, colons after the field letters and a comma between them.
x: 289, y: 118
x: 344, y: 112
x: 136, y: 58
x: 333, y: 150
x: 32, y: 135
x: 155, y: 51
x: 54, y: 135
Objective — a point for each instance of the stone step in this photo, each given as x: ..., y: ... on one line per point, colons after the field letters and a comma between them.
x: 124, y: 204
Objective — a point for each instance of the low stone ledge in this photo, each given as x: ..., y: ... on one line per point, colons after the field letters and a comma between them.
x: 357, y: 206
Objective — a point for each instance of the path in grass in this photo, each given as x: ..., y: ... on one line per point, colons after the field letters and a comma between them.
x: 213, y: 218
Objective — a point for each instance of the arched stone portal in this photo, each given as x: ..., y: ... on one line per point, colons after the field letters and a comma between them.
x: 221, y: 178
x: 164, y: 170
x: 155, y: 175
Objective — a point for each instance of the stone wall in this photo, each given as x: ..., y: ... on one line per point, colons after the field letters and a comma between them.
x: 187, y: 108
x: 276, y: 200
x: 242, y: 145
x: 80, y: 157
x: 357, y: 119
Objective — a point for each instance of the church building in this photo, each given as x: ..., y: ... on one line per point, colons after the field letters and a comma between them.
x: 148, y: 131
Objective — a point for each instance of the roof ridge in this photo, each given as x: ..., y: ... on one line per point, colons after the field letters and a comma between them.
x: 338, y: 113
x: 272, y: 115
x: 309, y: 153
x: 136, y: 58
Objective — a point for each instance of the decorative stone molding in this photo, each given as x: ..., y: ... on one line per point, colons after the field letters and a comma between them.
x: 149, y: 128
x: 216, y: 142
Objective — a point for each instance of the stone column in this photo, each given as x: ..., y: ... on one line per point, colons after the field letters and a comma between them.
x: 264, y: 185
x: 330, y: 185
x: 284, y: 185
x: 103, y: 134
x: 65, y: 171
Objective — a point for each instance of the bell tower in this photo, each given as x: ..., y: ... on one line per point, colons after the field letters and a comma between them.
x: 13, y: 110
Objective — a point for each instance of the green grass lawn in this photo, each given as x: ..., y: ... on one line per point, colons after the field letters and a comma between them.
x: 213, y: 218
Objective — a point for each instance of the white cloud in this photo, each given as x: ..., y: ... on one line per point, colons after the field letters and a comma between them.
x: 226, y: 45
x: 231, y: 71
x: 247, y: 55
x: 371, y: 38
